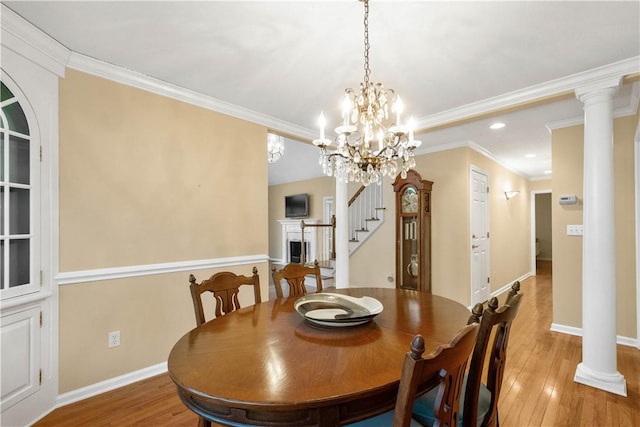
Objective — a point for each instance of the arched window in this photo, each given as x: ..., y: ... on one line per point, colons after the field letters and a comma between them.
x: 16, y: 216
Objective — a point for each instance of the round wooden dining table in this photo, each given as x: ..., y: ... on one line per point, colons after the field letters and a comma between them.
x: 266, y: 365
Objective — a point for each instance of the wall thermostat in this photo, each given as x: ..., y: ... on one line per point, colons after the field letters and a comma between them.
x: 568, y: 200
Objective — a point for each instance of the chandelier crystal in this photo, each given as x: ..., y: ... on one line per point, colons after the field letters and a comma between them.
x: 372, y: 141
x: 275, y: 147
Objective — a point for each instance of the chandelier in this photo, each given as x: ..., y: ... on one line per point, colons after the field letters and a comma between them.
x: 275, y: 147
x: 370, y: 144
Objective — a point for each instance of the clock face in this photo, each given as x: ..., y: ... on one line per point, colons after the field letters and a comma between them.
x: 410, y: 200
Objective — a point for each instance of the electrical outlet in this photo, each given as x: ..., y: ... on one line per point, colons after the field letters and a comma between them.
x: 114, y: 339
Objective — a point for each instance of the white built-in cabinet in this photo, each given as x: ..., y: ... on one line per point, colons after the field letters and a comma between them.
x: 32, y: 64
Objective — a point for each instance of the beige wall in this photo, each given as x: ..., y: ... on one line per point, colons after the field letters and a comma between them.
x: 374, y: 262
x: 449, y: 170
x: 541, y: 185
x: 567, y: 159
x: 143, y: 180
x: 317, y: 190
x: 510, y: 224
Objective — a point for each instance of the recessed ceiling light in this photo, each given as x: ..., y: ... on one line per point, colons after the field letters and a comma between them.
x: 547, y: 172
x: 497, y: 125
x: 530, y: 156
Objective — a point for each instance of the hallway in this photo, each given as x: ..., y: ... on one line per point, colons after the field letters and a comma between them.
x: 538, y: 387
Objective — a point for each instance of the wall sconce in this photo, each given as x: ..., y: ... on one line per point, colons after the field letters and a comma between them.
x: 511, y: 194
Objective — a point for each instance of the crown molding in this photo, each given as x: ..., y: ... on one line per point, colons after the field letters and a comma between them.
x: 628, y: 110
x: 118, y: 74
x: 475, y: 147
x: 30, y: 42
x: 529, y: 94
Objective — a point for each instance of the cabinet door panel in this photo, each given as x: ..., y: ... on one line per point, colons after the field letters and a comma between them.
x: 20, y: 335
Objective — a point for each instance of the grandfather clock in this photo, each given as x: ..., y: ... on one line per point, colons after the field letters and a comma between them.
x: 413, y: 232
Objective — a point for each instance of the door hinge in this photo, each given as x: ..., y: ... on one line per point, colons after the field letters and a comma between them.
x: 40, y: 376
x: 41, y: 319
x: 487, y: 234
x: 41, y: 153
x: 487, y: 189
x: 488, y: 280
x: 41, y: 277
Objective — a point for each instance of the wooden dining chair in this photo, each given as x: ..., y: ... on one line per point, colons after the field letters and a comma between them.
x: 224, y: 287
x: 295, y: 274
x: 442, y: 370
x: 478, y: 398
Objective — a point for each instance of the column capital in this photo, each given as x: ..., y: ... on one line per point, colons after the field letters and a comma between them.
x: 609, y: 84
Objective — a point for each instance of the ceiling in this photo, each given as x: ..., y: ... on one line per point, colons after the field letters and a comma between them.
x: 457, y: 65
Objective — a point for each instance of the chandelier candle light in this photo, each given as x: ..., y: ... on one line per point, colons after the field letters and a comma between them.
x: 275, y: 147
x: 369, y: 144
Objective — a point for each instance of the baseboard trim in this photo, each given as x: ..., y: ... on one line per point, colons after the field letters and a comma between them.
x: 507, y: 287
x: 572, y: 330
x: 110, y: 384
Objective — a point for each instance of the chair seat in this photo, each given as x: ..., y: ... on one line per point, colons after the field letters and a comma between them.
x: 382, y: 420
x: 423, y: 406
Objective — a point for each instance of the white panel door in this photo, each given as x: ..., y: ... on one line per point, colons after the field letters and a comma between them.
x: 20, y: 337
x: 480, y: 290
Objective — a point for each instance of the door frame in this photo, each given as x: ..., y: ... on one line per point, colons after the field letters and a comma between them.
x: 532, y: 221
x: 636, y: 146
x: 476, y: 169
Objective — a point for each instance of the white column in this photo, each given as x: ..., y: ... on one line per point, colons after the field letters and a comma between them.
x: 599, y: 365
x: 342, y: 235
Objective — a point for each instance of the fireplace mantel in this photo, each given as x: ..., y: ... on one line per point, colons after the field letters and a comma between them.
x: 291, y: 231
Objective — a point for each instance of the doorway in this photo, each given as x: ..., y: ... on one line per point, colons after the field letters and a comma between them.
x: 541, y: 232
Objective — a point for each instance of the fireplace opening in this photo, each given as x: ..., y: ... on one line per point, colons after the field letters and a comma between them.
x: 295, y: 250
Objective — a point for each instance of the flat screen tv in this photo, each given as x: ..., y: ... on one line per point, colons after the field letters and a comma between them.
x: 296, y: 206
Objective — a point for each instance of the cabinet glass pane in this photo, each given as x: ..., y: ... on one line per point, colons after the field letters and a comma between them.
x: 2, y: 210
x: 16, y: 118
x: 5, y: 93
x: 18, y: 262
x: 1, y: 156
x: 19, y: 211
x: 19, y: 165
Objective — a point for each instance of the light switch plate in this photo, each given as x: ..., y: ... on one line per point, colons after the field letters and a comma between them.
x: 575, y: 230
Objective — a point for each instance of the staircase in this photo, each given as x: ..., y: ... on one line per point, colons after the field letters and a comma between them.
x: 366, y: 214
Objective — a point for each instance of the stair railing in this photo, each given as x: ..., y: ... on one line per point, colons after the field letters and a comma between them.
x: 363, y: 208
x: 303, y: 255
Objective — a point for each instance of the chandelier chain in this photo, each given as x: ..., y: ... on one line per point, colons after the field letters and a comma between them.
x: 367, y: 70
x: 370, y: 144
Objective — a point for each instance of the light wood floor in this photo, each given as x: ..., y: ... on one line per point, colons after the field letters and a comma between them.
x: 538, y: 388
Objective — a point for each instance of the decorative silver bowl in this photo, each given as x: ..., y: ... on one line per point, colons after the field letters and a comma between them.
x: 337, y: 310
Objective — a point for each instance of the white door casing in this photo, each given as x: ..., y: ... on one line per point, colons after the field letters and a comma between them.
x: 533, y: 228
x: 479, y: 185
